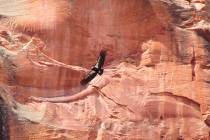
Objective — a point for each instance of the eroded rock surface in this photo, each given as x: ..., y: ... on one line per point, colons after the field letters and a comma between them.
x: 156, y: 83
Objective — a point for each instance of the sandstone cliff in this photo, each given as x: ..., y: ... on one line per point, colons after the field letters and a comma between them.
x: 156, y: 83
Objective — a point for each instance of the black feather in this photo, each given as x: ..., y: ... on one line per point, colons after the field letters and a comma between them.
x: 97, y: 69
x: 101, y: 60
x: 90, y: 76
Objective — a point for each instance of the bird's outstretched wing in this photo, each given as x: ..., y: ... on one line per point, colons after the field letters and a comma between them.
x: 101, y: 60
x: 97, y: 69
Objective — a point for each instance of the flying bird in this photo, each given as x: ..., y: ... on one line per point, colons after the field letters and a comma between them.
x: 97, y: 69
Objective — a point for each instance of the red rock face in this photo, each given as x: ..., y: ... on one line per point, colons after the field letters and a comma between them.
x: 156, y: 83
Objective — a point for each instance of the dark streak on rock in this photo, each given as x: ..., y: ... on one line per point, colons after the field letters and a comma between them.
x: 204, y: 33
x: 205, y: 66
x: 207, y: 120
x: 193, y: 63
x: 4, y: 133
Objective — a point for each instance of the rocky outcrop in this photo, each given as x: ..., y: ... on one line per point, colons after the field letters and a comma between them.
x: 156, y: 83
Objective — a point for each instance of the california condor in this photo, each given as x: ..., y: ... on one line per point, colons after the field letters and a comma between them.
x: 97, y: 69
